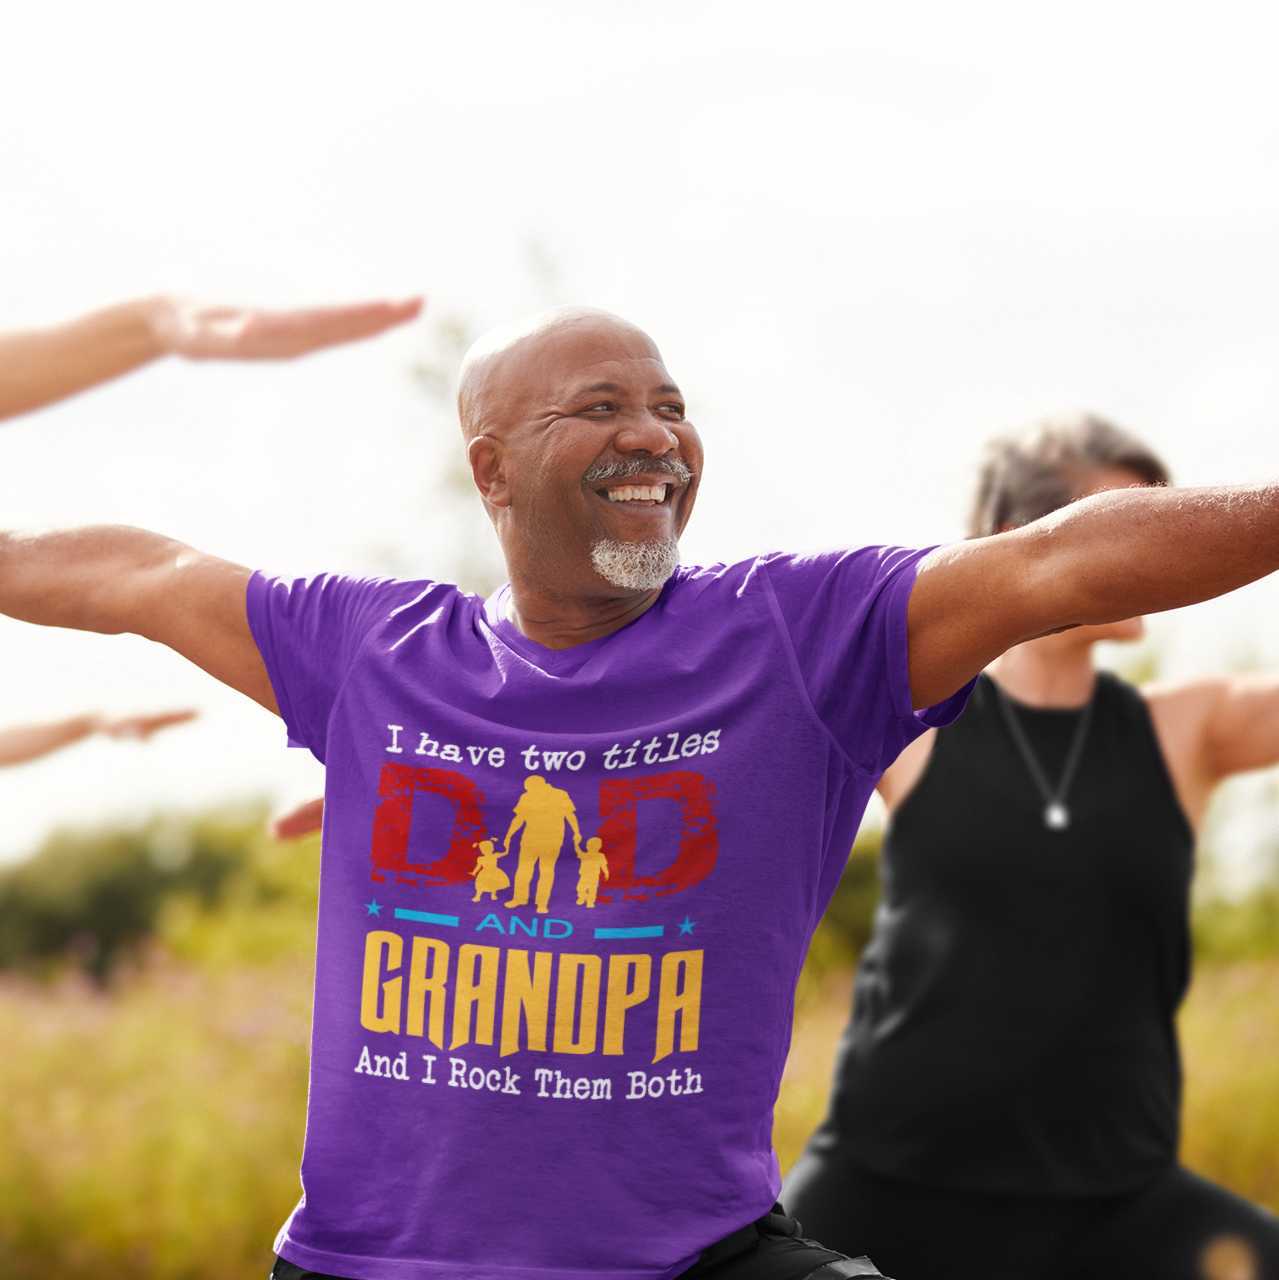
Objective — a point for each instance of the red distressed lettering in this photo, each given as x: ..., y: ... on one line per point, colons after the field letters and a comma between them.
x: 394, y: 817
x: 699, y: 840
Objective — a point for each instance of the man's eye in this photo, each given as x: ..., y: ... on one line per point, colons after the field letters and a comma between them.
x: 676, y: 409
x: 604, y: 406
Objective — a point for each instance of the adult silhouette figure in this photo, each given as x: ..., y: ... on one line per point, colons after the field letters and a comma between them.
x: 541, y: 812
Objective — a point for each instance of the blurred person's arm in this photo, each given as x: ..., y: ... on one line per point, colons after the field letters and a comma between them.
x: 24, y: 742
x: 299, y: 822
x: 1105, y: 558
x: 1212, y: 728
x: 41, y: 365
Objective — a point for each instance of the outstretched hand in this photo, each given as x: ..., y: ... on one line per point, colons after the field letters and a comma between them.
x: 203, y: 331
x: 142, y: 727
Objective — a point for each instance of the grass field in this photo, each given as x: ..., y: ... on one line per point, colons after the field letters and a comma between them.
x: 153, y: 1127
x: 154, y: 1107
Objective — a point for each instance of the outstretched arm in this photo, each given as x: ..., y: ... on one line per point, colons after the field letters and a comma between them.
x: 1104, y: 558
x: 24, y: 742
x: 299, y: 822
x: 112, y: 579
x: 39, y: 366
x: 1212, y: 728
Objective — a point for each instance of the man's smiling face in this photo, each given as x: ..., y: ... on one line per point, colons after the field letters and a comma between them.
x: 579, y: 439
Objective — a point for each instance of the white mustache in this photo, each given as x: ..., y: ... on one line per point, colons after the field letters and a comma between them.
x: 624, y: 468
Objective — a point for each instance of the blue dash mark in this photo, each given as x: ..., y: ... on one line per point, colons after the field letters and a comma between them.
x: 427, y: 917
x: 640, y: 931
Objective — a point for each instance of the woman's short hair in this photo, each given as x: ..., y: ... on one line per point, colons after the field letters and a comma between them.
x: 1027, y: 475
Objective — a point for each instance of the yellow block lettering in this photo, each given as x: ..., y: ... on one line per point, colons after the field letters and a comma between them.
x: 422, y: 986
x: 529, y: 994
x: 622, y: 995
x: 672, y: 1000
x: 566, y: 1003
x: 389, y: 1018
x: 470, y: 989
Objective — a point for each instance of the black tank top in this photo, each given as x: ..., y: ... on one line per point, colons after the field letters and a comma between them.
x: 1012, y: 1026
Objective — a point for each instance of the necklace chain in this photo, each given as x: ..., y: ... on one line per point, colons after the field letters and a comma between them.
x: 1056, y: 814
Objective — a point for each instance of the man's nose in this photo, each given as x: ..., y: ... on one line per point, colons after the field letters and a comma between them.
x: 642, y: 431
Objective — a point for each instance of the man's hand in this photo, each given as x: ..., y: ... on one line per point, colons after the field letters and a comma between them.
x: 203, y: 331
x: 1111, y: 556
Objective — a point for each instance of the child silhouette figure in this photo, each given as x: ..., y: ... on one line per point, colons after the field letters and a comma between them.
x: 594, y: 865
x: 489, y: 877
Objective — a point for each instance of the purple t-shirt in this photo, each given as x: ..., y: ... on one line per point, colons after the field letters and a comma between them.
x: 564, y: 899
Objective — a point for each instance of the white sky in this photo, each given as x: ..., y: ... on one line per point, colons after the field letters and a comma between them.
x: 866, y: 237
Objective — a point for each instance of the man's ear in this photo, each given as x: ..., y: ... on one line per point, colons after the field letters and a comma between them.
x: 488, y: 468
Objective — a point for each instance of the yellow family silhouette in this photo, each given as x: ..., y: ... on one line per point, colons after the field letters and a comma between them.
x: 540, y: 815
x: 489, y: 877
x: 594, y: 865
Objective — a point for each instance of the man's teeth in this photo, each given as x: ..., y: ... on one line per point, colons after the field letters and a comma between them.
x: 638, y: 493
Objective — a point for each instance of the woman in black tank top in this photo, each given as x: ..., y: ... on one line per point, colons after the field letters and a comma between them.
x: 1007, y: 1097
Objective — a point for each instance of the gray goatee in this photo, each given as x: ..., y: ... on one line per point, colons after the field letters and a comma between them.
x: 636, y: 566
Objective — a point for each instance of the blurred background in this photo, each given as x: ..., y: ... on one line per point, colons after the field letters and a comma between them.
x: 866, y: 238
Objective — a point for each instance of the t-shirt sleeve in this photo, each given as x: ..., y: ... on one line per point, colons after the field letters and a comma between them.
x: 308, y: 631
x: 845, y: 615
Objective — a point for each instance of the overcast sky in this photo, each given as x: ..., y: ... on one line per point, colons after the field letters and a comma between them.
x: 866, y: 237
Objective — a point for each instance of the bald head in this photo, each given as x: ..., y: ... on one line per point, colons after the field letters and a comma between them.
x: 519, y: 362
x: 579, y: 445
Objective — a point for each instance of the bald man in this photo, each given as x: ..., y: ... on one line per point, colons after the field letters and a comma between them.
x: 501, y: 1093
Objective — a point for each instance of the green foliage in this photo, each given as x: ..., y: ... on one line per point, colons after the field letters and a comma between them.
x: 851, y: 914
x: 91, y: 897
x: 152, y: 1129
x: 846, y: 927
x: 1230, y: 1046
x: 1226, y: 931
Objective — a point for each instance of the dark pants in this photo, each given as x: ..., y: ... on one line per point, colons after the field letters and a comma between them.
x: 1177, y: 1227
x: 770, y: 1249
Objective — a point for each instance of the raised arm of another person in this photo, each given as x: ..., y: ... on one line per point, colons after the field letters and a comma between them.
x: 1108, y: 557
x: 1212, y: 728
x: 41, y: 365
x: 298, y: 822
x: 23, y: 742
x: 113, y: 579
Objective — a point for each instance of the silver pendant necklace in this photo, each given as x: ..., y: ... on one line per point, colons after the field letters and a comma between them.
x: 1056, y: 814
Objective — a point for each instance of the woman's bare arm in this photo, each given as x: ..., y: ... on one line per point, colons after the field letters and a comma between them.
x: 22, y: 742
x: 902, y: 776
x: 299, y: 822
x: 1212, y: 728
x: 41, y: 365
